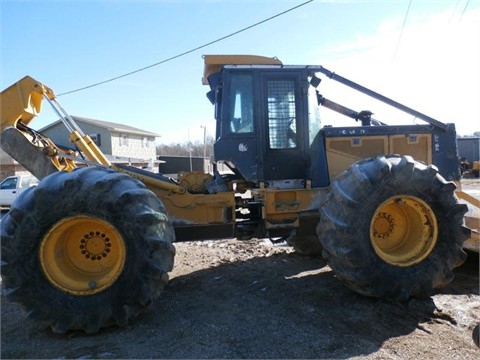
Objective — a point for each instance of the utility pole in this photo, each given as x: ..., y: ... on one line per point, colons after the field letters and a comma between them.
x: 205, y: 167
x: 190, y: 150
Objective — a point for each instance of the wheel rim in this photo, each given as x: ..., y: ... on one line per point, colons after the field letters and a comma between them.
x: 403, y: 230
x: 82, y: 255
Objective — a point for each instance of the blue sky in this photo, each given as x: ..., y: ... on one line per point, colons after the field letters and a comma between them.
x: 425, y: 54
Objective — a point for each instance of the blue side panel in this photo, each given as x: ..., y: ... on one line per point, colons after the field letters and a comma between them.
x: 242, y: 152
x: 378, y: 130
x: 444, y: 152
x: 318, y: 161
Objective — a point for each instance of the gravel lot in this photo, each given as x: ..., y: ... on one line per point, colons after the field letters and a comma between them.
x: 231, y: 299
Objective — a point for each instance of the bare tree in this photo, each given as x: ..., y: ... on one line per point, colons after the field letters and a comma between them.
x: 184, y: 148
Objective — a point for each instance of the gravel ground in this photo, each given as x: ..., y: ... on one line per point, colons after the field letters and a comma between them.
x: 231, y: 299
x: 252, y: 299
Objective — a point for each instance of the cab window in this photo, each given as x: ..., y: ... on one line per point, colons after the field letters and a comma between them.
x: 281, y: 114
x: 240, y: 118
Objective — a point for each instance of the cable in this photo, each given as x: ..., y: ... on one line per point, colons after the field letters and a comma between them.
x: 463, y: 12
x: 453, y: 12
x: 401, y: 31
x: 464, y: 9
x: 187, y: 52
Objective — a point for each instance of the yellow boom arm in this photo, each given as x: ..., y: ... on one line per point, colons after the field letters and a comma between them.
x: 20, y: 103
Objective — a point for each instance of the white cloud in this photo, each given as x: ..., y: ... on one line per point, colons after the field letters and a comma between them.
x: 432, y: 66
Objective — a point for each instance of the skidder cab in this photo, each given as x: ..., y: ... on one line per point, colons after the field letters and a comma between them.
x: 269, y: 131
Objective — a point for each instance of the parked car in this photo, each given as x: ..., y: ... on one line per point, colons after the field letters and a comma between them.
x: 13, y: 186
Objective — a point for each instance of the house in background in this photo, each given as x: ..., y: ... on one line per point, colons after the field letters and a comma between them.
x: 9, y: 166
x: 120, y: 143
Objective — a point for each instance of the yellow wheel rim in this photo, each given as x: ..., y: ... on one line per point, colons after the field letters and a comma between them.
x: 82, y: 255
x: 403, y: 230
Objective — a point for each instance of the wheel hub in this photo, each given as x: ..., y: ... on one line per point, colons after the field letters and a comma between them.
x: 82, y: 255
x: 403, y: 230
x: 95, y: 245
x: 383, y: 225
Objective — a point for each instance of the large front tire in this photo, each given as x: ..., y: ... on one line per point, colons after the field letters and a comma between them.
x: 392, y: 228
x: 86, y: 250
x: 304, y: 240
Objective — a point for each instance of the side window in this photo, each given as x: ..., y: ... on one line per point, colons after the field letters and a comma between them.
x: 281, y: 115
x: 314, y: 121
x: 9, y: 184
x: 96, y: 138
x: 240, y: 104
x: 28, y: 181
x: 25, y: 182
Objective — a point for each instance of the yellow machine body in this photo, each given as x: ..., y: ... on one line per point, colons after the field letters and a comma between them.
x: 186, y: 201
x: 342, y: 152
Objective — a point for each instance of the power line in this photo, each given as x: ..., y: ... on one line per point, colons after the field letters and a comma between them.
x: 463, y: 12
x: 189, y: 51
x: 401, y: 31
x: 464, y: 9
x: 453, y: 12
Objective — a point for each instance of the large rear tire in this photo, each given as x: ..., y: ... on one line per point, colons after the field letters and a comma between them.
x: 85, y: 250
x: 392, y: 227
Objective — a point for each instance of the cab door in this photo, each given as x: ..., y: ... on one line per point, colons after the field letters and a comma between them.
x: 285, y: 136
x: 236, y: 142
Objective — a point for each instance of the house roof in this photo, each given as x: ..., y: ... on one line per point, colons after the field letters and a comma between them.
x: 111, y: 126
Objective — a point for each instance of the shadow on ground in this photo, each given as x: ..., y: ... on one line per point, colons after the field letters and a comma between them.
x: 281, y: 306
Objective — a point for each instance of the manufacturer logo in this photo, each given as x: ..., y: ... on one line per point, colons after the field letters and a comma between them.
x: 242, y: 147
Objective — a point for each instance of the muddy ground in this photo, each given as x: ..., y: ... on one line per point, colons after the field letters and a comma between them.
x: 252, y: 299
x: 231, y: 299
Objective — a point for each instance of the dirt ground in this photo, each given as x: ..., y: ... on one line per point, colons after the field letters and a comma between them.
x: 231, y: 299
x: 253, y: 299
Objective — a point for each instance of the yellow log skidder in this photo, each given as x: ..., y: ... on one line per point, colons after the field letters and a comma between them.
x: 94, y: 240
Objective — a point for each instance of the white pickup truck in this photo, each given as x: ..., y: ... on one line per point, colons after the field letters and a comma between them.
x: 13, y: 186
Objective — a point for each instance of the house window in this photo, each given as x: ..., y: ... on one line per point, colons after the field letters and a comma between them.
x: 145, y: 142
x: 123, y: 140
x: 96, y: 139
